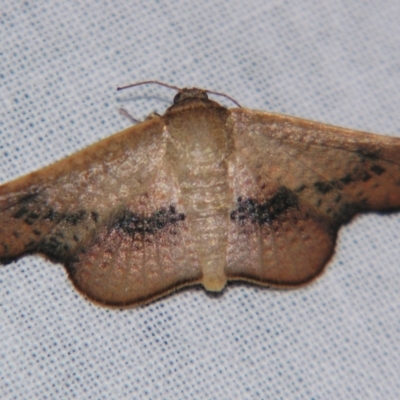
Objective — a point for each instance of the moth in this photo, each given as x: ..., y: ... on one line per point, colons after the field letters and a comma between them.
x: 200, y: 195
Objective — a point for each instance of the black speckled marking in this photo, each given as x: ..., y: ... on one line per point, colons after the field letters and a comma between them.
x: 71, y: 218
x: 346, y: 180
x: 300, y: 188
x: 51, y: 215
x: 29, y: 245
x: 347, y: 211
x: 21, y: 212
x: 28, y: 198
x: 53, y: 248
x: 267, y: 212
x: 132, y: 223
x: 377, y: 169
x: 357, y: 176
x: 95, y: 216
x: 74, y: 218
x: 365, y: 177
x: 23, y: 202
x: 323, y: 187
x: 31, y: 217
x: 370, y: 155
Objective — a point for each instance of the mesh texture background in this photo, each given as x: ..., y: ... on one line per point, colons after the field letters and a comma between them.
x: 334, y: 61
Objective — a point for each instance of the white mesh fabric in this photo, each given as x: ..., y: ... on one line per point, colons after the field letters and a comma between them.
x: 336, y: 62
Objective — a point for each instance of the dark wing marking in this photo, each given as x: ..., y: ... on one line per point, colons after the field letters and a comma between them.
x: 114, y: 196
x: 295, y: 183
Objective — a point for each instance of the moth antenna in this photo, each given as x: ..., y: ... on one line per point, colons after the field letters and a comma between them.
x: 151, y: 83
x: 178, y: 89
x: 224, y: 95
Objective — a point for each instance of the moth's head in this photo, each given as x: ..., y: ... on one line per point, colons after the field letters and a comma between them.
x: 187, y: 95
x: 190, y: 98
x: 196, y: 95
x: 190, y: 93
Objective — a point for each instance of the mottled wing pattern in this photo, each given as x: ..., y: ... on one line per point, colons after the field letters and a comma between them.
x: 295, y: 183
x: 110, y: 213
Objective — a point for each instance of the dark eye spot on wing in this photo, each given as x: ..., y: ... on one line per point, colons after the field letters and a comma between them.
x: 267, y: 212
x: 132, y: 223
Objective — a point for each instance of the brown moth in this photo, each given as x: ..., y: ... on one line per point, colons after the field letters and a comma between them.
x: 200, y: 195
